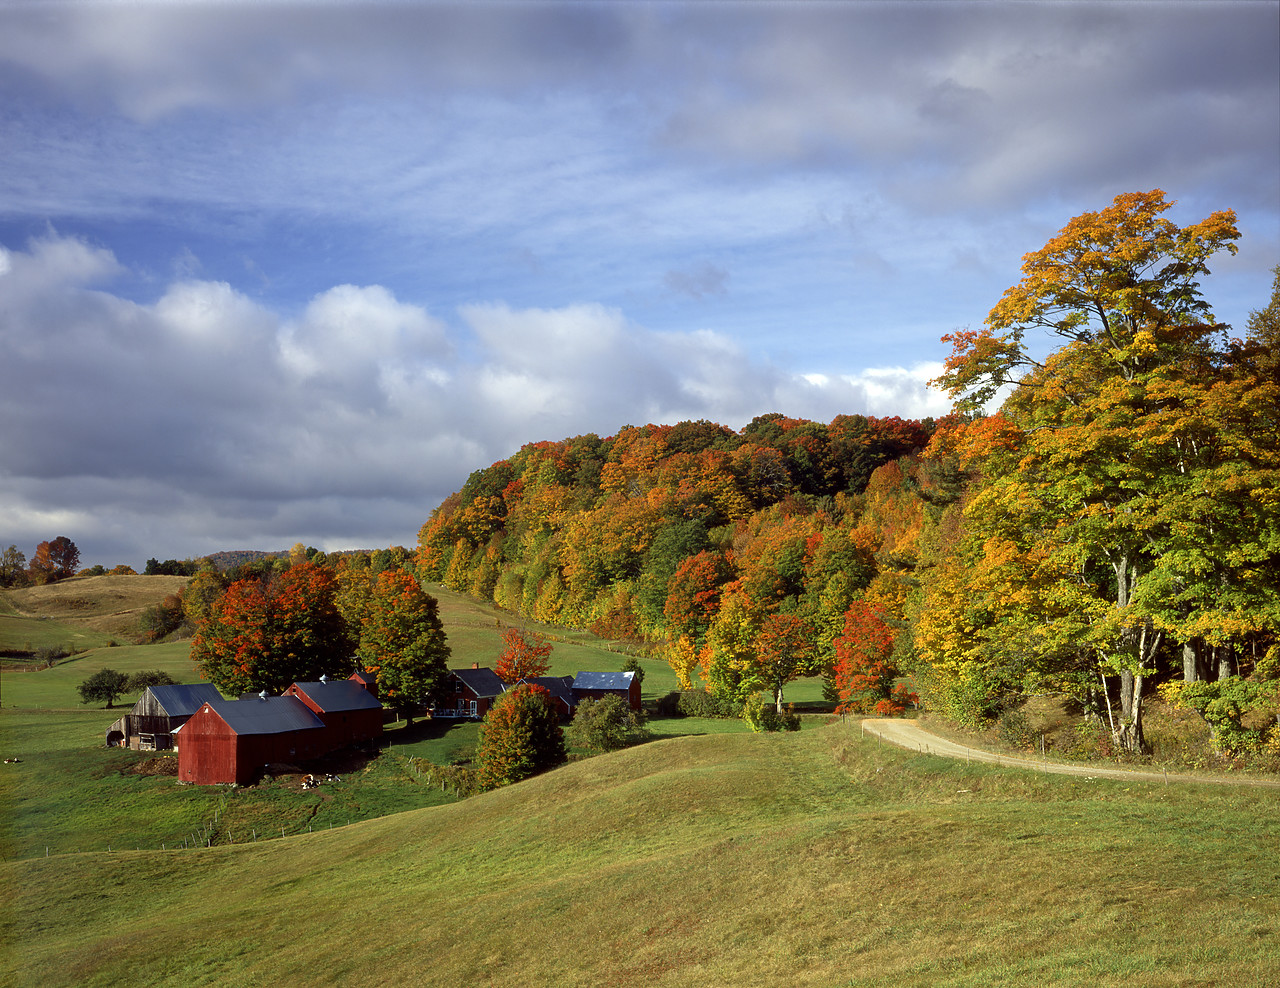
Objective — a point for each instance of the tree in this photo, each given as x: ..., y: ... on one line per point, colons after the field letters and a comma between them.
x: 605, y: 724
x: 525, y: 654
x: 520, y: 736
x: 54, y: 560
x: 13, y: 566
x: 865, y: 676
x: 786, y: 650
x: 103, y: 685
x: 139, y: 681
x: 267, y: 633
x: 1111, y: 417
x: 402, y: 641
x: 162, y: 619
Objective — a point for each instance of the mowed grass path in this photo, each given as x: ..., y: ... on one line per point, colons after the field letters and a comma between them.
x: 804, y: 859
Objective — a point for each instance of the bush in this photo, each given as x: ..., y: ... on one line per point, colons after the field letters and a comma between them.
x: 50, y: 654
x: 606, y: 724
x: 700, y: 703
x: 1014, y: 729
x: 761, y: 715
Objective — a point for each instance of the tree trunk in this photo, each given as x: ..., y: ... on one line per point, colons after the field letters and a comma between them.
x: 1193, y: 662
x: 1223, y: 654
x: 1128, y: 734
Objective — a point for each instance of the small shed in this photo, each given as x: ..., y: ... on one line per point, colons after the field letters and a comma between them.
x: 594, y: 685
x: 350, y: 713
x: 159, y: 712
x: 561, y: 690
x: 469, y: 692
x: 229, y: 741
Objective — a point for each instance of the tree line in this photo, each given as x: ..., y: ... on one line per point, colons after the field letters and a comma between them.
x: 1112, y: 527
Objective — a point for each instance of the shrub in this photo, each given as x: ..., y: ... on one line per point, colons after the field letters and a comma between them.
x: 761, y: 715
x: 50, y: 654
x: 606, y: 724
x: 1014, y: 728
x: 700, y: 703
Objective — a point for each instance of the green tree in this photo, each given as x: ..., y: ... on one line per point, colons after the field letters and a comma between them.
x: 13, y: 567
x: 402, y: 641
x: 103, y: 686
x: 520, y: 736
x: 606, y: 724
x: 140, y: 680
x: 1111, y: 419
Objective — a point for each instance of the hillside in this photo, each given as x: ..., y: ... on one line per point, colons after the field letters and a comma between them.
x: 809, y: 859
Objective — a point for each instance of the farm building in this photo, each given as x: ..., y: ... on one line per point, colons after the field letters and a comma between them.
x: 598, y: 684
x: 366, y: 679
x: 469, y: 692
x: 561, y: 690
x: 160, y: 711
x: 231, y: 740
x: 351, y: 714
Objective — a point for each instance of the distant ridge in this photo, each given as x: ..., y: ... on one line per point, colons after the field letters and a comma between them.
x: 231, y: 558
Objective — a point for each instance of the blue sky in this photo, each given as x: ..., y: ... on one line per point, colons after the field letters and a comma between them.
x: 279, y: 272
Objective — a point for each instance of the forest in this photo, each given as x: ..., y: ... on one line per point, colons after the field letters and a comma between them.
x: 1098, y: 518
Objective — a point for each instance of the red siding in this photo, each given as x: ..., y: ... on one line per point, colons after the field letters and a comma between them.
x: 212, y: 754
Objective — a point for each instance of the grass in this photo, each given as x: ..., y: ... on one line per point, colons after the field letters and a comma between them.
x: 106, y: 604
x: 805, y: 859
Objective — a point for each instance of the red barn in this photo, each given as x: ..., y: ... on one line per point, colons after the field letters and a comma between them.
x: 366, y: 679
x: 597, y: 684
x: 561, y: 690
x: 229, y: 741
x: 351, y: 714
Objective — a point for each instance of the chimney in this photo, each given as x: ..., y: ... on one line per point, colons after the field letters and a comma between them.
x: 475, y: 665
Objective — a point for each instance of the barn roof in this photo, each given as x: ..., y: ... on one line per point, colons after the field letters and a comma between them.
x: 273, y: 715
x: 561, y: 687
x: 333, y: 696
x: 603, y: 681
x: 482, y: 682
x: 184, y: 699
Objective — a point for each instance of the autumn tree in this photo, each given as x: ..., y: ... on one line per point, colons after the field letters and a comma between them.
x: 54, y: 560
x: 267, y: 633
x: 1111, y: 416
x: 103, y: 686
x: 785, y: 651
x: 524, y: 654
x: 865, y: 676
x: 606, y: 723
x: 520, y: 736
x: 402, y: 640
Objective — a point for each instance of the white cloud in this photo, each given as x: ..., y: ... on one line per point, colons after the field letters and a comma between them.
x: 205, y: 418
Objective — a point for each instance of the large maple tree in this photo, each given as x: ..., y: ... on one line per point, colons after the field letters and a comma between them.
x: 1123, y: 428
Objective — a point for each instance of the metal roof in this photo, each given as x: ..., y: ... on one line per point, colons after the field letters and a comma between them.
x: 274, y: 715
x: 603, y: 681
x: 333, y: 695
x: 482, y: 682
x: 184, y: 699
x: 560, y: 687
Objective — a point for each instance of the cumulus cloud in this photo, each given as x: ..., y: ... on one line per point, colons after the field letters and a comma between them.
x: 204, y: 419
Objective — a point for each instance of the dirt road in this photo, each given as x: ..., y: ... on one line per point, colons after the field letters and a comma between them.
x: 908, y: 734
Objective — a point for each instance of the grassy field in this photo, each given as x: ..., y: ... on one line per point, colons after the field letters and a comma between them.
x: 109, y: 605
x: 806, y: 859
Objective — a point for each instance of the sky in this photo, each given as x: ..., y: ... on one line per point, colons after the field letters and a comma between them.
x: 281, y: 272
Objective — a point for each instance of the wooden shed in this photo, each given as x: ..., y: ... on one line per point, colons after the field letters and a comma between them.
x: 351, y: 714
x: 597, y: 684
x: 469, y: 693
x: 229, y: 741
x: 159, y: 712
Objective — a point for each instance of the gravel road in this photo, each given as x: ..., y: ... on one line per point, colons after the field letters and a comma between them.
x: 908, y: 734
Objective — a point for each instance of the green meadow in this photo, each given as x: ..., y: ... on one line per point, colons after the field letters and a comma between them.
x: 706, y: 857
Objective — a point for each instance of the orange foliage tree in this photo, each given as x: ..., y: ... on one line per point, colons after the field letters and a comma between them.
x: 524, y: 654
x: 865, y: 676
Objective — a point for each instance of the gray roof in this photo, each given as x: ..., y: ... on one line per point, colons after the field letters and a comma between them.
x: 182, y: 700
x: 560, y: 687
x: 339, y: 694
x: 481, y: 682
x: 274, y: 715
x: 603, y: 681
